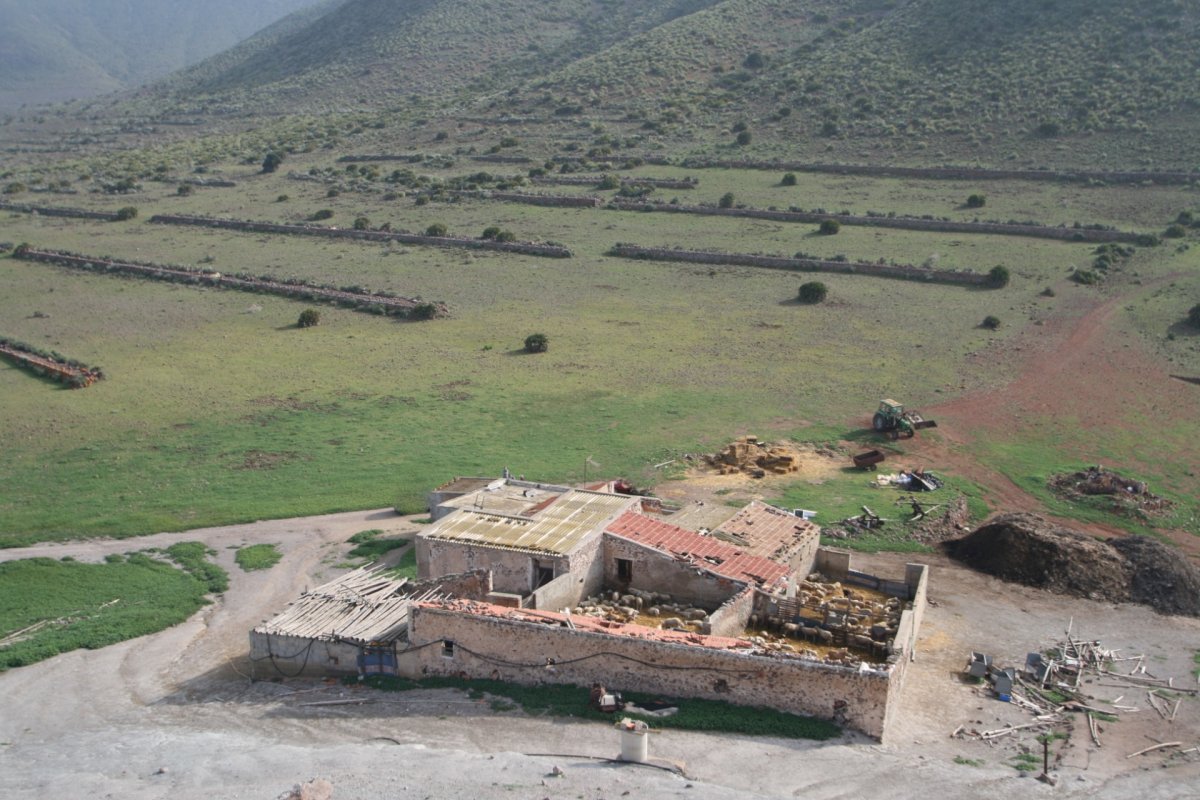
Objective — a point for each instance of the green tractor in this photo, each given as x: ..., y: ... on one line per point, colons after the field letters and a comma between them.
x: 892, y: 419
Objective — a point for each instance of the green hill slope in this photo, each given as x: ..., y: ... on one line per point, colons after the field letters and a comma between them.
x: 57, y: 49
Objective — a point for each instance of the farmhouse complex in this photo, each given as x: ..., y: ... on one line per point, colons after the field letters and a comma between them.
x: 535, y: 584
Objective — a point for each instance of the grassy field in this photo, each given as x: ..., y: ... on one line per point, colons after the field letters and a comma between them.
x: 218, y: 410
x: 49, y: 607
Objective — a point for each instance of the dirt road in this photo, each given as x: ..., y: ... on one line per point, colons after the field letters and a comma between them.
x: 172, y: 716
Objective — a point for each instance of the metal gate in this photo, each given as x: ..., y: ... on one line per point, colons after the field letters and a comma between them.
x: 377, y: 659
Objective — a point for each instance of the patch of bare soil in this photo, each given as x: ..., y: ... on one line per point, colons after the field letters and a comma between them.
x: 1025, y: 548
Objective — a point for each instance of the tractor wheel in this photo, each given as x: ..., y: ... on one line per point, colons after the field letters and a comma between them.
x: 880, y: 422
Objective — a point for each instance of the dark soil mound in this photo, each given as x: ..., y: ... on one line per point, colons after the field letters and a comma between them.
x: 1024, y: 548
x: 1162, y: 578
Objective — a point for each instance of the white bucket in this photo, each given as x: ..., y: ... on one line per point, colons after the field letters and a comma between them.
x: 635, y: 745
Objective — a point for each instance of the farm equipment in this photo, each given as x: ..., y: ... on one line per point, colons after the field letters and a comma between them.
x: 868, y: 459
x: 892, y: 419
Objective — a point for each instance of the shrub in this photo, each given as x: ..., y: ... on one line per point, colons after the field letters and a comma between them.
x: 309, y: 318
x: 423, y: 311
x: 754, y: 60
x: 813, y: 292
x: 272, y: 161
x: 15, y: 188
x: 333, y: 192
x: 726, y: 200
x: 609, y: 182
x: 536, y: 343
x: 128, y: 212
x: 990, y: 322
x: 490, y: 232
x: 506, y: 236
x: 999, y: 276
x: 441, y: 136
x: 436, y: 229
x: 324, y: 213
x: 1048, y: 292
x: 829, y: 227
x: 1175, y: 231
x: 1085, y: 276
x: 744, y: 138
x: 185, y: 190
x: 976, y: 201
x: 362, y: 224
x: 283, y: 198
x: 1193, y: 316
x: 789, y: 179
x: 1049, y: 129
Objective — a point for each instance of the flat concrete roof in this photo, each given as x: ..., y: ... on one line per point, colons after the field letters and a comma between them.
x: 559, y: 524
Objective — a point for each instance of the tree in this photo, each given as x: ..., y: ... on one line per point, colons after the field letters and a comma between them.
x: 976, y: 201
x: 829, y: 227
x: 1193, y: 316
x: 272, y: 161
x: 744, y: 138
x: 536, y: 343
x: 726, y: 200
x: 813, y: 292
x: 789, y: 179
x: 998, y: 276
x: 309, y: 318
x: 436, y: 229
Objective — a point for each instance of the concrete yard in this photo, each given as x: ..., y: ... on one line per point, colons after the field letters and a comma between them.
x: 172, y: 715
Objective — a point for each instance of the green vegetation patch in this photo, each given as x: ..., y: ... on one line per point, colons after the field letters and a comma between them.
x: 571, y: 701
x: 407, y: 568
x: 257, y: 556
x: 369, y: 547
x: 193, y: 558
x: 49, y: 607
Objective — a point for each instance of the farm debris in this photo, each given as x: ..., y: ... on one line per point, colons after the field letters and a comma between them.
x: 1025, y: 548
x: 747, y: 454
x: 1129, y: 496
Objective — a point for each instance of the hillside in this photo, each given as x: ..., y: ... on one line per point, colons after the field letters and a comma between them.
x: 54, y: 50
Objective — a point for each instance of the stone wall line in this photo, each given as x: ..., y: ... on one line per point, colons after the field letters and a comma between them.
x: 359, y: 301
x: 903, y: 272
x: 525, y: 248
x: 903, y: 223
x: 57, y: 211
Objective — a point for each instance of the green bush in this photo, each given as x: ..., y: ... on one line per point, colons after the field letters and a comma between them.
x: 999, y: 276
x: 309, y: 318
x: 423, y: 311
x: 743, y: 138
x: 813, y: 292
x: 490, y: 232
x: 976, y: 201
x: 283, y: 198
x: 436, y: 229
x: 272, y: 161
x: 324, y: 213
x: 126, y: 213
x: 609, y: 182
x: 257, y: 556
x: 185, y: 190
x: 726, y: 200
x: 16, y: 187
x: 829, y: 227
x: 362, y: 224
x: 990, y: 322
x: 537, y: 343
x: 506, y: 236
x: 1175, y: 231
x: 789, y: 179
x: 1086, y: 276
x: 1193, y: 316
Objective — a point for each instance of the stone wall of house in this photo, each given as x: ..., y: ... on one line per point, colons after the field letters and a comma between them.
x: 655, y: 572
x: 512, y: 570
x: 733, y: 615
x: 534, y: 653
x: 274, y: 655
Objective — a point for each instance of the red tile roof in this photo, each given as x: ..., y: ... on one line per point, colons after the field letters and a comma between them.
x: 702, y: 551
x: 768, y: 531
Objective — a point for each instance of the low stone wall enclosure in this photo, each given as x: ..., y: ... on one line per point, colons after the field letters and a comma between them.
x: 56, y: 211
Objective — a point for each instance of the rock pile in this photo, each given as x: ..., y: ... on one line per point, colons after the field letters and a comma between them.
x: 628, y: 607
x: 1025, y: 548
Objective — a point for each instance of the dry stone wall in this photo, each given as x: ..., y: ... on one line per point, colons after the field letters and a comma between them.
x: 904, y: 223
x: 654, y: 571
x: 903, y: 272
x: 525, y: 248
x: 53, y: 211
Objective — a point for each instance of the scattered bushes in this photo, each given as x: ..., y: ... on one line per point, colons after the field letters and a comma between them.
x: 976, y: 201
x: 537, y: 343
x: 309, y: 318
x: 829, y: 227
x: 813, y: 292
x: 999, y: 276
x: 990, y: 322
